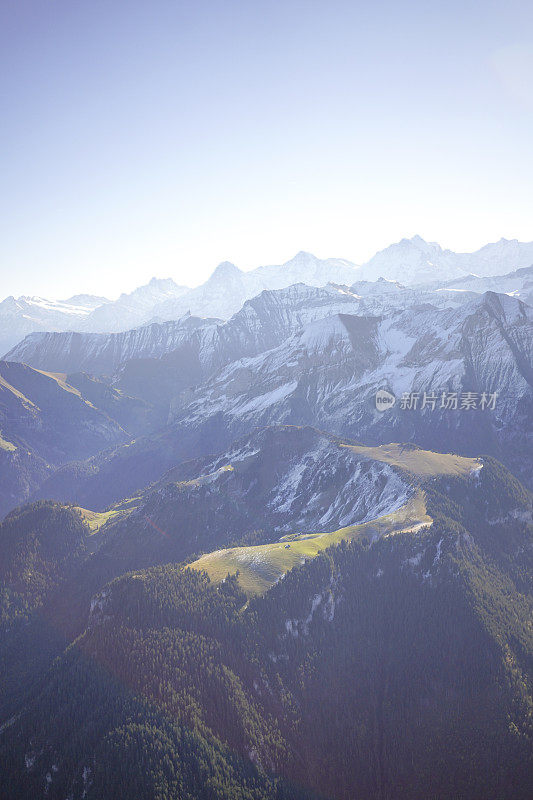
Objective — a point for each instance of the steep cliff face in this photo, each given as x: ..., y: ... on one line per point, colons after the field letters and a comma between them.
x: 102, y: 354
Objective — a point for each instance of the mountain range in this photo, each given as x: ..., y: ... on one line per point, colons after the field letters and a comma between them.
x: 227, y: 572
x: 262, y: 323
x: 301, y: 355
x: 308, y: 356
x: 410, y: 262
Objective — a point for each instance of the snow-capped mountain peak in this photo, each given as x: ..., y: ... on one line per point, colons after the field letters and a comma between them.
x: 89, y: 301
x: 301, y: 257
x: 415, y: 261
x: 407, y: 263
x: 411, y: 261
x: 226, y: 270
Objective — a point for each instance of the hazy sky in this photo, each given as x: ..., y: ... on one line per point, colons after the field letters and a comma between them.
x: 159, y: 137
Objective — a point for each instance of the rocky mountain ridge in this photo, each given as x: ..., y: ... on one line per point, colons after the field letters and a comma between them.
x: 327, y: 373
x: 411, y: 262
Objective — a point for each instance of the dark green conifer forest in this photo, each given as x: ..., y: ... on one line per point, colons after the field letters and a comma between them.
x: 394, y: 669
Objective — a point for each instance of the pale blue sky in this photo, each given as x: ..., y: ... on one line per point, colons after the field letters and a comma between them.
x: 158, y: 138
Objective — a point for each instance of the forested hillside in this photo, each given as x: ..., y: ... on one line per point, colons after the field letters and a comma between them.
x: 398, y: 668
x: 266, y: 522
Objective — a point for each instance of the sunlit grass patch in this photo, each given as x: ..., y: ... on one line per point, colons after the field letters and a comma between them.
x: 424, y: 463
x: 5, y: 445
x: 96, y: 519
x: 259, y: 567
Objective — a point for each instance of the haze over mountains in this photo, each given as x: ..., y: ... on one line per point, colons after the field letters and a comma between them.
x: 226, y: 574
x: 312, y: 352
x: 302, y: 355
x: 410, y: 262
